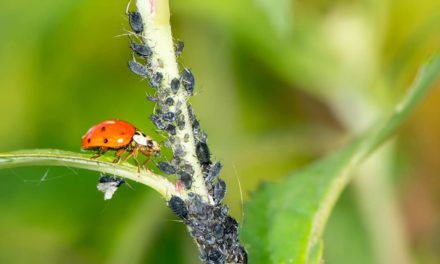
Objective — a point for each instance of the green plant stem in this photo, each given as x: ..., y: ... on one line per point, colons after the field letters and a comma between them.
x: 158, y: 36
x: 51, y: 157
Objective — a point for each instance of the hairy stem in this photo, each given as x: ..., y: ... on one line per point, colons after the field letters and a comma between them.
x: 51, y: 157
x: 158, y: 36
x: 207, y: 219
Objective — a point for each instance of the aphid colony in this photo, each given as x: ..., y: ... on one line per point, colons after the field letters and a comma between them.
x: 209, y: 223
x: 168, y: 117
x: 124, y: 137
x: 151, y: 68
x: 211, y: 226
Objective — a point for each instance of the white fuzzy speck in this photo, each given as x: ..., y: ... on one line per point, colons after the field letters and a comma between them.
x: 108, y: 188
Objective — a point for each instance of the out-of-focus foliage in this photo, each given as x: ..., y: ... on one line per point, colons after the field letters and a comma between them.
x: 280, y: 83
x: 301, y: 203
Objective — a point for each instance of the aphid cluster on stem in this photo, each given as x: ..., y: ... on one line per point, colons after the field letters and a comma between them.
x: 208, y: 220
x: 168, y: 116
x: 211, y: 226
x: 144, y: 52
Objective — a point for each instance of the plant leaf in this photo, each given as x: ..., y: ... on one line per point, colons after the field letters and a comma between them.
x: 285, y: 220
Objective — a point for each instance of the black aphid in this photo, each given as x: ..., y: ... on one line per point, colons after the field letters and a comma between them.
x: 216, y: 257
x: 219, y: 191
x: 108, y: 185
x: 243, y: 257
x: 157, y: 122
x: 166, y: 167
x: 188, y: 81
x: 141, y: 49
x: 185, y: 178
x: 175, y: 85
x: 199, y: 135
x: 172, y: 140
x: 181, y: 122
x: 220, y: 211
x: 218, y: 231
x: 171, y: 129
x: 169, y: 101
x: 179, y: 47
x: 202, y: 136
x: 192, y: 117
x: 213, y: 172
x: 138, y: 68
x: 109, y: 179
x: 187, y: 168
x: 186, y: 138
x: 156, y: 79
x: 178, y: 206
x: 196, y: 206
x: 169, y: 117
x: 196, y: 126
x: 152, y: 98
x: 178, y: 151
x: 203, y: 153
x: 135, y: 21
x: 231, y: 225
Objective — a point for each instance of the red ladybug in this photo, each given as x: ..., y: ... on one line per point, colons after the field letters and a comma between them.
x: 120, y: 136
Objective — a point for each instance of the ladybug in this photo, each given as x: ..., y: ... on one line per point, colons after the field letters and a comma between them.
x: 120, y: 136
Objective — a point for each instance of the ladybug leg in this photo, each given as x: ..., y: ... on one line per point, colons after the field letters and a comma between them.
x: 135, y: 154
x: 127, y: 157
x: 144, y: 165
x: 100, y: 152
x: 118, y: 155
x: 130, y: 153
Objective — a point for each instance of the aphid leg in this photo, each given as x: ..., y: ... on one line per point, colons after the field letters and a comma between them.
x: 100, y: 152
x: 118, y: 155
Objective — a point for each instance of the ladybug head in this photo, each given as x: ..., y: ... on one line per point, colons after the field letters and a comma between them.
x: 144, y: 140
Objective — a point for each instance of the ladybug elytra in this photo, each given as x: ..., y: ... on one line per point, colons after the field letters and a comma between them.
x: 120, y: 136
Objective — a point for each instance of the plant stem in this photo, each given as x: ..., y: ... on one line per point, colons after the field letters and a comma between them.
x: 157, y: 35
x: 207, y: 219
x: 51, y: 157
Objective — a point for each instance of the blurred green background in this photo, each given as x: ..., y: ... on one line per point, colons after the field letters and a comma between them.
x: 279, y: 84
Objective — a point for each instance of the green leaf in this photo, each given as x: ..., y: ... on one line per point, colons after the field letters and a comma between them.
x: 285, y: 220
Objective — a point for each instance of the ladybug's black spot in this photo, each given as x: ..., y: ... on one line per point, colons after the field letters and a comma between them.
x: 103, y: 128
x: 122, y: 133
x: 105, y: 140
x: 88, y: 140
